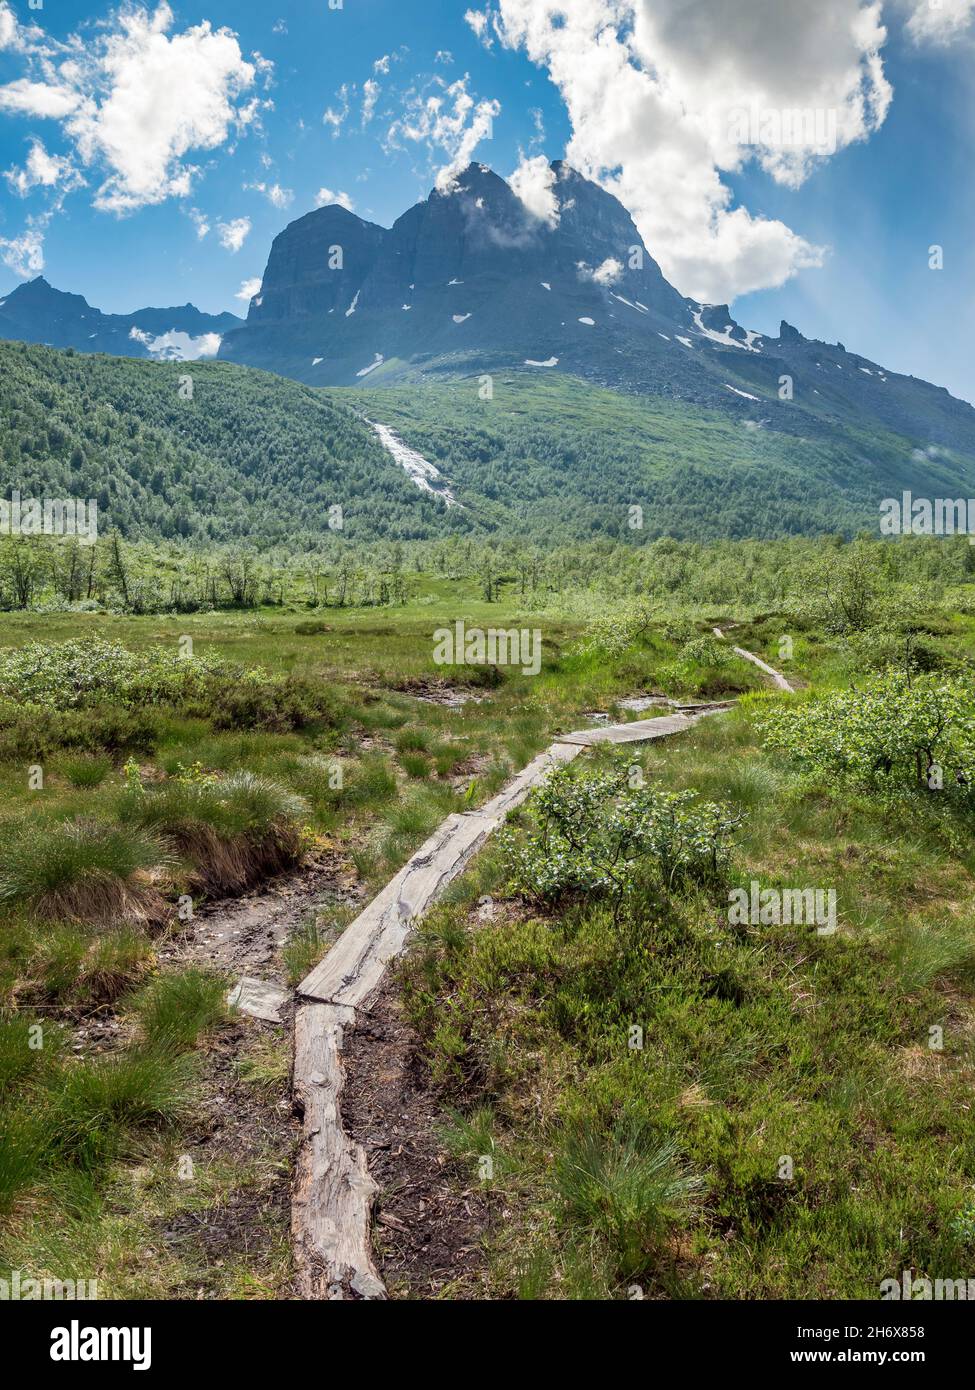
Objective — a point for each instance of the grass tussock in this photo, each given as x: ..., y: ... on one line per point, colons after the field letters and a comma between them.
x: 232, y: 831
x: 84, y: 870
x: 176, y: 1011
x: 64, y: 1115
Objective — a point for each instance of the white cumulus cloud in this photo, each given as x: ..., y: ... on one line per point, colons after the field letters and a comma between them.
x: 24, y: 255
x: 46, y: 99
x: 8, y: 27
x: 324, y: 196
x: 940, y: 22
x: 534, y: 182
x: 666, y: 97
x: 277, y: 196
x: 233, y: 234
x: 605, y: 274
x: 446, y: 119
x: 176, y: 346
x: 335, y: 116
x: 43, y: 170
x: 370, y: 95
x: 248, y: 289
x: 479, y: 21
x: 136, y: 99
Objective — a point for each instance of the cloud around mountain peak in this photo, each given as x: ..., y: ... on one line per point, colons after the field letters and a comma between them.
x: 665, y: 99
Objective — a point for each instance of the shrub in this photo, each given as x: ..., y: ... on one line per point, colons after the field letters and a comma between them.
x: 85, y: 869
x: 272, y: 704
x: 31, y: 731
x: 706, y: 668
x: 592, y: 832
x: 893, y: 726
x: 881, y: 648
x: 613, y: 634
x: 74, y: 675
x: 704, y: 651
x: 81, y: 674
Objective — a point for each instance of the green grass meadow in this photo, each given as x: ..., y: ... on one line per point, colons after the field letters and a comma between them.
x: 673, y: 1102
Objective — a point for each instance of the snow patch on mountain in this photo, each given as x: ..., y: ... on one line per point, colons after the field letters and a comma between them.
x: 630, y: 305
x: 725, y: 338
x: 372, y: 365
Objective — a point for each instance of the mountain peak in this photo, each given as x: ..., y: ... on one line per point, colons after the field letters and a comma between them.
x: 37, y: 312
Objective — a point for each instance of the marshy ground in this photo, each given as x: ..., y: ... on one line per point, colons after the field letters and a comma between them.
x: 147, y: 1139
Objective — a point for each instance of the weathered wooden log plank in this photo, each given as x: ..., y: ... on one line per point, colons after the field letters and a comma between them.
x: 259, y: 998
x: 640, y: 731
x: 777, y: 676
x: 354, y: 966
x: 333, y: 1190
x: 528, y: 778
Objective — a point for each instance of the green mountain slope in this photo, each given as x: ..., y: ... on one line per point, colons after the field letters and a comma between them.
x: 249, y: 456
x: 255, y: 456
x: 559, y: 456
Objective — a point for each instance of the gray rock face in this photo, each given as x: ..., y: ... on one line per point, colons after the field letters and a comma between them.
x: 316, y: 266
x: 469, y: 281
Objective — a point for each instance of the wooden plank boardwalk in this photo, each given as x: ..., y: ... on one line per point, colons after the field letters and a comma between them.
x: 776, y: 676
x: 333, y: 1190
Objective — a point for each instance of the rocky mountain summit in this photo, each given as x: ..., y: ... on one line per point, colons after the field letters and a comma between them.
x: 471, y: 281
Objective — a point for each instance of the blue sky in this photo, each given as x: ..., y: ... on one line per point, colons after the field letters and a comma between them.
x: 151, y: 154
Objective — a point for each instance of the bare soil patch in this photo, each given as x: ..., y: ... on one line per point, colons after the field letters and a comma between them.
x: 430, y: 1220
x: 255, y: 1133
x: 244, y: 935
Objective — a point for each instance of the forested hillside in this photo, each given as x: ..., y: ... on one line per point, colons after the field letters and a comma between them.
x: 563, y: 458
x: 248, y: 456
x: 256, y: 457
